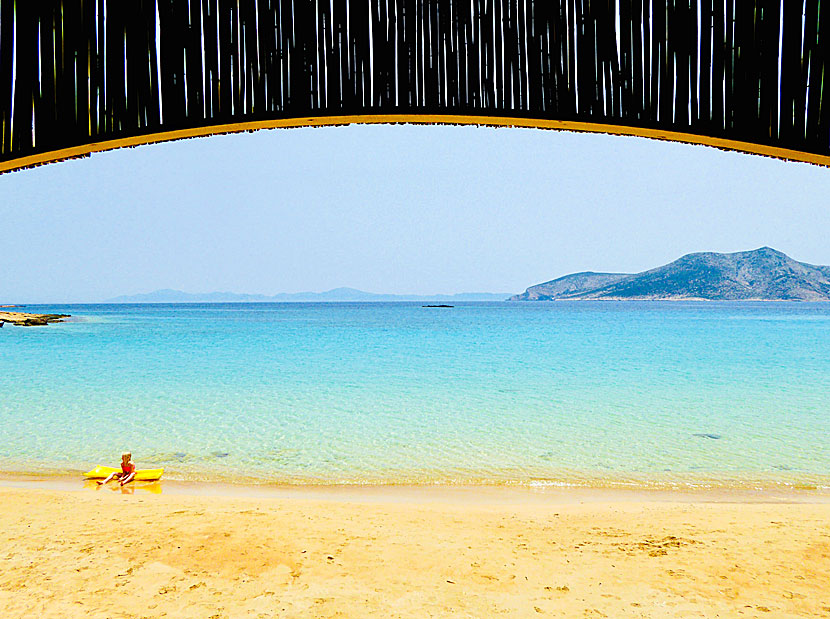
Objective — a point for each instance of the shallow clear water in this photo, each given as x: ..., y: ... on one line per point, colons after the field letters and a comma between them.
x: 595, y: 393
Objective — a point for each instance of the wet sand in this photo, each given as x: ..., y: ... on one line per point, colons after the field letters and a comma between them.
x: 468, y: 553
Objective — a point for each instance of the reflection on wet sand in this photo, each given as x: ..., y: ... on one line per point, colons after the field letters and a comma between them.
x: 153, y: 487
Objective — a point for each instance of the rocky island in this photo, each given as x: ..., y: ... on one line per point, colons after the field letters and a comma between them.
x: 22, y: 319
x: 763, y: 274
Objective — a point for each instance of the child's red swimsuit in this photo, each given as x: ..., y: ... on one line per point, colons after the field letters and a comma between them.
x: 126, y: 469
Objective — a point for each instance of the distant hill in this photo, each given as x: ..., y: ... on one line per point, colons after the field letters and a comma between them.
x: 762, y: 274
x: 334, y: 296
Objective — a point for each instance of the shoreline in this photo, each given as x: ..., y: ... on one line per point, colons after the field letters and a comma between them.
x: 461, y: 493
x: 800, y: 481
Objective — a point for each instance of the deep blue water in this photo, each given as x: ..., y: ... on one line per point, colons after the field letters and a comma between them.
x: 581, y: 392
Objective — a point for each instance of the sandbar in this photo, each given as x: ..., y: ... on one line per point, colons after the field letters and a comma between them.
x: 81, y: 552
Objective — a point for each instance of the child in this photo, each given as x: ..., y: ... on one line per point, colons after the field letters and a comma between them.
x: 127, y: 470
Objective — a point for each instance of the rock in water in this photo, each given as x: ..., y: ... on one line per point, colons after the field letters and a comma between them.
x: 21, y: 319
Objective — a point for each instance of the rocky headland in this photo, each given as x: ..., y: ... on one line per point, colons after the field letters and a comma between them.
x: 22, y: 319
x: 763, y: 274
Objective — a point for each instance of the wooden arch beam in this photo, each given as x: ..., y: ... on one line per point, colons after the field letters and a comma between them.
x: 84, y: 76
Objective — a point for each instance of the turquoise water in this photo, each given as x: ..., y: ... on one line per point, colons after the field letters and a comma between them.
x: 561, y: 393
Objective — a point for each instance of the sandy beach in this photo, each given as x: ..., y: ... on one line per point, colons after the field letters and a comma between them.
x: 442, y: 554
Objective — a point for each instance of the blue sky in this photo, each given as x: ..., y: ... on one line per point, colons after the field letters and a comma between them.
x: 397, y: 209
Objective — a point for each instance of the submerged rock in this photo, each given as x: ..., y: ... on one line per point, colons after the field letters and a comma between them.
x: 706, y: 435
x: 163, y: 458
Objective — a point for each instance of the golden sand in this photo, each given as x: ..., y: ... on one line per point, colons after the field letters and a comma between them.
x: 106, y: 554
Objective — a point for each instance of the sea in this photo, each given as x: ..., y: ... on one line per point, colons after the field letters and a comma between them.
x: 609, y: 394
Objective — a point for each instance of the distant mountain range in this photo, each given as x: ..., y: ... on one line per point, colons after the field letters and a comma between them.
x: 763, y: 274
x: 335, y: 295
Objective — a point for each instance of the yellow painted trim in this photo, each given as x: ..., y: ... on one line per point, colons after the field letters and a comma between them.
x: 419, y: 119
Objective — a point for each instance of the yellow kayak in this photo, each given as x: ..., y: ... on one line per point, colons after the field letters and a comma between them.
x: 102, y: 472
